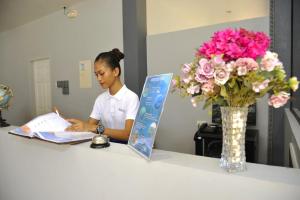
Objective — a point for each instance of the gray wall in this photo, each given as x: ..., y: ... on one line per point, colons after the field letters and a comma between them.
x: 280, y: 19
x: 99, y: 27
x: 135, y: 32
x: 165, y: 53
x: 291, y: 135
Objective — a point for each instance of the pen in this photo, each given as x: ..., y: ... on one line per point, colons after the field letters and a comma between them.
x: 57, y: 112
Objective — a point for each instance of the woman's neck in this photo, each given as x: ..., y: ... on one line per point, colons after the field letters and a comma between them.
x: 115, y: 87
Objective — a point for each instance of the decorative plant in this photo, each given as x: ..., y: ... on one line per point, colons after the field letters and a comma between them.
x: 235, y: 69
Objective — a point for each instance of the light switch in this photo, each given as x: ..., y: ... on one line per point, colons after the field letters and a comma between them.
x: 64, y: 85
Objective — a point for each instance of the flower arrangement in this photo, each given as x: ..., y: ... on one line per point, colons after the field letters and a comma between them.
x: 235, y: 69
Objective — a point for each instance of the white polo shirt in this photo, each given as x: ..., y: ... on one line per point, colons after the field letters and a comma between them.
x: 113, y: 110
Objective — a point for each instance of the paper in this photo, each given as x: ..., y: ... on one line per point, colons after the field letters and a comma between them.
x: 48, y: 122
x: 85, y: 73
x: 65, y: 137
x: 152, y: 101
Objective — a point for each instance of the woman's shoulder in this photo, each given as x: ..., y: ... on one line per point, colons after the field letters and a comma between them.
x: 102, y: 96
x: 130, y: 94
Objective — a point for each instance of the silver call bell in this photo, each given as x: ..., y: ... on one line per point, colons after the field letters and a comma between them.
x: 100, y: 141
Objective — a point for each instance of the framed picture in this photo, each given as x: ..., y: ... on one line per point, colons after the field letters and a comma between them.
x: 151, y: 106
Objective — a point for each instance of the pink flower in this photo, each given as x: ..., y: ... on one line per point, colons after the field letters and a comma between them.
x: 200, y: 78
x: 208, y: 87
x: 221, y: 76
x: 218, y: 60
x: 234, y: 44
x: 279, y: 100
x: 229, y: 61
x: 249, y: 63
x: 186, y: 68
x: 257, y: 86
x: 270, y: 61
x: 242, y: 70
x: 193, y: 89
x: 205, y: 68
x: 174, y: 83
x: 230, y: 66
x: 186, y: 78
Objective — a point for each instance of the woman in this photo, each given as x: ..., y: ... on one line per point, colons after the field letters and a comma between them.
x: 114, y: 111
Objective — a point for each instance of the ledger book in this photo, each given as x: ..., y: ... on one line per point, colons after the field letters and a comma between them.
x: 51, y: 127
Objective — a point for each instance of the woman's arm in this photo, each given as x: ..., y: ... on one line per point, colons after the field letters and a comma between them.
x: 91, y: 125
x: 120, y: 134
x: 78, y: 125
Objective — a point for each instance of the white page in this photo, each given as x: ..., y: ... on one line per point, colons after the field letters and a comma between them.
x: 50, y: 122
x: 19, y: 131
x: 65, y: 137
x: 75, y: 135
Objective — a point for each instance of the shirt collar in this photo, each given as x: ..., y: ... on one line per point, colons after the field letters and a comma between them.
x: 119, y: 95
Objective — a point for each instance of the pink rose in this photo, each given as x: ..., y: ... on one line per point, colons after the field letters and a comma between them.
x: 174, y: 83
x: 258, y: 86
x: 200, y: 78
x: 186, y: 68
x: 221, y: 76
x: 249, y: 63
x: 205, y: 68
x: 186, y: 79
x: 208, y: 87
x: 270, y: 61
x: 230, y: 66
x: 279, y: 100
x: 193, y: 89
x: 242, y: 70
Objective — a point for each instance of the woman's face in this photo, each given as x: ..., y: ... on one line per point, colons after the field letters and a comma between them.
x: 105, y: 75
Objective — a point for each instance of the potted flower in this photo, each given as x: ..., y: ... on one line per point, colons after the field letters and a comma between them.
x: 233, y: 70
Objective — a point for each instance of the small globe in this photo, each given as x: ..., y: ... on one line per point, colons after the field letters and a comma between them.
x: 5, y: 96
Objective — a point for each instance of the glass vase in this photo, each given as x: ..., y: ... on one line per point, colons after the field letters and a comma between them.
x: 233, y: 157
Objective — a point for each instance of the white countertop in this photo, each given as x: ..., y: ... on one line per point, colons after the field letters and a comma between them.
x: 34, y: 170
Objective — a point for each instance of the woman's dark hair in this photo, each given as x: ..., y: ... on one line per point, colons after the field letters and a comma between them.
x: 112, y: 58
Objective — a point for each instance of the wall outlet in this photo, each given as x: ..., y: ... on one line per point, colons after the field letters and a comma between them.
x: 199, y: 122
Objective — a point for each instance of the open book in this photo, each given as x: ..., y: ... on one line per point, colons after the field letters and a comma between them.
x: 51, y: 127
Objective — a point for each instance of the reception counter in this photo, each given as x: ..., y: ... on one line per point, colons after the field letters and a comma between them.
x: 31, y: 169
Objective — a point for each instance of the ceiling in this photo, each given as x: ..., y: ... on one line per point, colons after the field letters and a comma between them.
x: 14, y: 13
x: 162, y: 15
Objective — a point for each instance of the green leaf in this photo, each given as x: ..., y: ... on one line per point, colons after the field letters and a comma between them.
x: 232, y: 83
x: 223, y: 91
x: 236, y: 89
x: 220, y: 101
x: 247, y: 83
x: 207, y: 103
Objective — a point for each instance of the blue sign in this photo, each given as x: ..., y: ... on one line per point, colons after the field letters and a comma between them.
x: 152, y: 102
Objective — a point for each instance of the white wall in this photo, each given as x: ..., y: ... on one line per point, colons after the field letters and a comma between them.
x: 165, y: 53
x: 98, y: 28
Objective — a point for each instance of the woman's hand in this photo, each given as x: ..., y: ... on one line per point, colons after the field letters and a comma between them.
x: 77, y: 125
